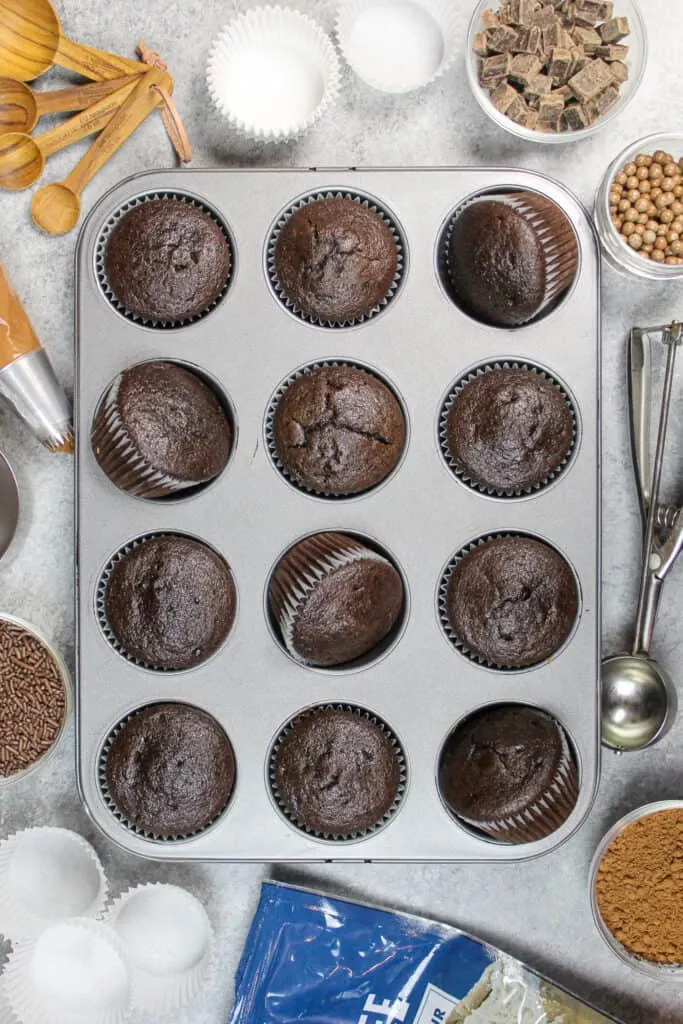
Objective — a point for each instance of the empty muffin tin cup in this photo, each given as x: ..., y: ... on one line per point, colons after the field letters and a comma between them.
x: 47, y: 875
x: 105, y: 235
x: 111, y: 804
x: 553, y: 231
x: 9, y: 505
x: 169, y: 945
x: 65, y: 678
x: 272, y: 73
x: 539, y: 819
x: 654, y: 970
x: 330, y: 837
x: 369, y: 203
x: 398, y: 46
x: 456, y: 391
x: 271, y: 441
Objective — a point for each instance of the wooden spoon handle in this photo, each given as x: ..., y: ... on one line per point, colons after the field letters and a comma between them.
x: 94, y: 64
x: 139, y: 104
x: 89, y: 121
x: 76, y: 97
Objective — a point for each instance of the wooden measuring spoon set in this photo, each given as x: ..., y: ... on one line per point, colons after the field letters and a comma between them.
x: 122, y: 94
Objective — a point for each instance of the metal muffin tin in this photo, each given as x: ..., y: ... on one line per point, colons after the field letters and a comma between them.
x: 422, y: 516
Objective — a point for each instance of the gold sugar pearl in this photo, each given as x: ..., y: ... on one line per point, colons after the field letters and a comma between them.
x: 635, y: 241
x: 649, y: 236
x: 630, y: 169
x: 628, y: 229
x: 670, y: 169
x: 643, y: 205
x: 657, y: 256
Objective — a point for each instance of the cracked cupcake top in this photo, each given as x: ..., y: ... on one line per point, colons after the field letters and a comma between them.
x: 338, y: 430
x: 335, y: 260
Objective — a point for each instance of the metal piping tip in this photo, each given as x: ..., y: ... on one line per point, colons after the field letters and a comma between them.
x: 30, y: 386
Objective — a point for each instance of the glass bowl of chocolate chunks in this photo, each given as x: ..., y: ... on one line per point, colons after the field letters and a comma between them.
x: 555, y: 71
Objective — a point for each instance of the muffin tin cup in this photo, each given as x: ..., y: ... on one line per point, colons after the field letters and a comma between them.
x: 421, y: 343
x: 371, y: 204
x: 552, y: 229
x: 113, y: 808
x: 105, y: 234
x: 101, y: 613
x: 360, y: 833
x: 459, y: 471
x: 451, y: 634
x: 304, y: 573
x: 544, y: 816
x: 270, y: 428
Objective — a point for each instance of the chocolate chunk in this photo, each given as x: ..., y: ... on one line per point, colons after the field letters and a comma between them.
x: 606, y: 10
x: 560, y: 65
x: 614, y: 30
x: 524, y: 68
x: 579, y: 60
x: 587, y: 13
x: 501, y: 39
x: 615, y: 51
x: 531, y: 120
x: 591, y: 81
x: 490, y: 19
x: 574, y: 118
x: 544, y: 16
x: 480, y: 45
x: 606, y: 100
x: 540, y: 85
x: 503, y: 97
x: 495, y: 67
x: 518, y: 110
x: 535, y: 44
x: 586, y: 37
x: 619, y: 71
x: 552, y: 35
x: 521, y: 12
x: 565, y: 92
x: 550, y: 111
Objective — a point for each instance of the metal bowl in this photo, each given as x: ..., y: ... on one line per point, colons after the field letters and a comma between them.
x: 660, y: 972
x: 9, y: 504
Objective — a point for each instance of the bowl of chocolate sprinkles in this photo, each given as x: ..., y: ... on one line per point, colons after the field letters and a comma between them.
x: 35, y: 699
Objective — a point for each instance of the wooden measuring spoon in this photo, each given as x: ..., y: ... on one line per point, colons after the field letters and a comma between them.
x: 22, y: 157
x: 31, y: 41
x: 21, y: 107
x: 56, y: 208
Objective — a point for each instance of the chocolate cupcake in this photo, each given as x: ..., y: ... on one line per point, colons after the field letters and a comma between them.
x: 337, y: 430
x: 509, y: 771
x: 337, y: 772
x: 167, y: 602
x: 334, y: 599
x: 166, y: 261
x: 335, y: 259
x: 168, y: 771
x: 508, y: 429
x: 510, y: 602
x: 160, y: 429
x: 510, y: 257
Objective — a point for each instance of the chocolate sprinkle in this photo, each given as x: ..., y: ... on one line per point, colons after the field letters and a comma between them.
x: 32, y: 699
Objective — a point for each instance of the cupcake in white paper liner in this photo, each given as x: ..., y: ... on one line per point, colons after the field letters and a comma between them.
x: 397, y: 46
x: 272, y: 72
x: 47, y: 875
x: 336, y: 601
x: 74, y: 973
x: 168, y: 941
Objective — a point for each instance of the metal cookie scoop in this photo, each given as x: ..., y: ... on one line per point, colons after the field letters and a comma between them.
x: 638, y: 698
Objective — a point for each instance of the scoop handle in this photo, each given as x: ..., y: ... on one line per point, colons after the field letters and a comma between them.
x: 133, y: 111
x: 640, y: 377
x: 94, y: 64
x: 92, y: 119
x: 76, y: 97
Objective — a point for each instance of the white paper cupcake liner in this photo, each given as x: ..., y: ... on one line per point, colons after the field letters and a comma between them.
x: 47, y: 875
x: 369, y: 203
x: 324, y: 554
x: 101, y: 609
x: 103, y: 240
x: 444, y: 617
x: 374, y: 49
x: 272, y: 73
x: 111, y: 804
x: 543, y: 817
x: 360, y: 833
x: 553, y: 230
x: 159, y: 983
x: 270, y: 426
x: 40, y: 977
x: 460, y: 472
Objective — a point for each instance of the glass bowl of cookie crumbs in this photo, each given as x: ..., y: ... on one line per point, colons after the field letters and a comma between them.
x: 636, y: 887
x: 639, y: 209
x: 35, y: 699
x: 555, y: 71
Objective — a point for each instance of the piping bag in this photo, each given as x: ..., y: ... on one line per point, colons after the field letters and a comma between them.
x: 27, y: 379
